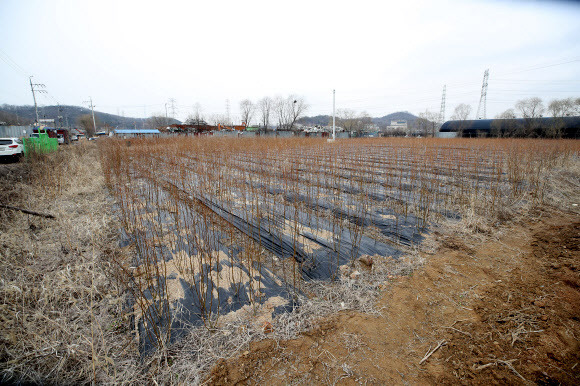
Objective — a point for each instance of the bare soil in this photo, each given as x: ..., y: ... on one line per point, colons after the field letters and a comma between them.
x: 501, y: 310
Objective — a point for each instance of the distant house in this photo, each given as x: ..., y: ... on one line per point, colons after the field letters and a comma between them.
x: 398, y: 125
x: 198, y: 127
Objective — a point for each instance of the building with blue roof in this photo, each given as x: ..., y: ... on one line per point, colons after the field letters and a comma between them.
x: 129, y: 133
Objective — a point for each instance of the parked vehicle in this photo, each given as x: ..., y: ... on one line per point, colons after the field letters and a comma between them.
x: 11, y: 148
x: 62, y: 135
x: 74, y: 137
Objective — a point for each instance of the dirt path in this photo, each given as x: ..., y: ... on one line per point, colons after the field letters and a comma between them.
x: 504, y: 310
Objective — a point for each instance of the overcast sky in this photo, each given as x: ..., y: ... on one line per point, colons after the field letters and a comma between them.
x: 131, y: 57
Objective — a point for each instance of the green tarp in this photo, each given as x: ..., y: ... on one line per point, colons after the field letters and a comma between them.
x: 42, y: 144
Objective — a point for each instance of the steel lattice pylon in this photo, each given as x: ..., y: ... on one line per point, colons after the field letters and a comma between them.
x: 483, y: 98
x: 442, y: 111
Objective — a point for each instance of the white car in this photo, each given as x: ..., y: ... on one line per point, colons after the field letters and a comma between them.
x: 11, y: 148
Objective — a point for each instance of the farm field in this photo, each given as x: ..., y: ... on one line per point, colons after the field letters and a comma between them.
x: 224, y: 227
x: 294, y: 261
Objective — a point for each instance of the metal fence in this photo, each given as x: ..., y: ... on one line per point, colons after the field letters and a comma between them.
x: 15, y: 131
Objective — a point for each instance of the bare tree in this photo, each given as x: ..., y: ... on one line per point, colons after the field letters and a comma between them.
x: 279, y: 105
x: 247, y: 111
x: 508, y: 114
x: 531, y: 110
x: 352, y: 122
x: 196, y: 117
x: 218, y: 119
x: 288, y: 110
x: 461, y: 114
x: 558, y: 109
x: 265, y: 108
x: 297, y: 107
x: 427, y: 123
x: 86, y: 122
x: 347, y: 119
x: 530, y: 107
x: 364, y: 123
x: 156, y: 121
x: 504, y: 124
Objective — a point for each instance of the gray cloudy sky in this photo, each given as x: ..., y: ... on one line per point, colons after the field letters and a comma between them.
x: 380, y: 56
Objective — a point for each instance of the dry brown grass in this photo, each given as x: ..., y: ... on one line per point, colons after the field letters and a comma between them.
x: 63, y: 318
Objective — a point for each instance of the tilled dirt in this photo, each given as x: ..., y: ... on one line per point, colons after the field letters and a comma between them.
x: 501, y: 310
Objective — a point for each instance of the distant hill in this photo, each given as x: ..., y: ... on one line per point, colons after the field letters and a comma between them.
x: 400, y: 115
x: 26, y: 115
x: 323, y: 120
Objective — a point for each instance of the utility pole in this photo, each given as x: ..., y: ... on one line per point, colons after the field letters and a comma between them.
x: 59, y: 115
x: 32, y: 87
x: 333, y: 115
x: 90, y: 101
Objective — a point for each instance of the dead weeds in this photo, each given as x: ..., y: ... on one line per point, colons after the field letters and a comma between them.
x: 63, y: 317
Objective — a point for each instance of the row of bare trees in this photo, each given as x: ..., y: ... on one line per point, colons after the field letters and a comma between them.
x: 427, y: 123
x: 286, y: 111
x: 280, y: 112
x: 531, y: 110
x: 528, y: 108
x: 352, y: 121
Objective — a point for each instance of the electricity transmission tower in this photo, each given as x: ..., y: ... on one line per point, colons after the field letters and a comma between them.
x: 228, y: 112
x: 442, y: 111
x: 35, y: 88
x: 172, y: 102
x: 483, y: 98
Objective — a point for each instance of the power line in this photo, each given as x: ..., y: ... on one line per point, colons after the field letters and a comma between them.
x: 11, y: 63
x: 539, y: 67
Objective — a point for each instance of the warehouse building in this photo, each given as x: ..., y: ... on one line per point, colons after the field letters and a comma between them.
x: 565, y: 127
